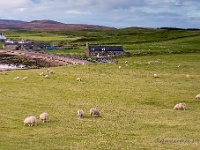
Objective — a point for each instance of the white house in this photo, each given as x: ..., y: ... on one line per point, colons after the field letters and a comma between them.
x: 10, y: 41
x: 2, y: 37
x: 23, y: 41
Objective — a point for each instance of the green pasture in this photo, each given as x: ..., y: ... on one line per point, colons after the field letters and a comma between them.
x: 136, y: 108
x: 133, y: 40
x: 38, y: 36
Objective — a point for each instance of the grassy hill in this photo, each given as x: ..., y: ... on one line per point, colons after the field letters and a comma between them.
x: 134, y: 40
x: 136, y: 109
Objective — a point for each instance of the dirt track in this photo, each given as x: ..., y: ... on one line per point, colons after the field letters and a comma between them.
x: 45, y: 59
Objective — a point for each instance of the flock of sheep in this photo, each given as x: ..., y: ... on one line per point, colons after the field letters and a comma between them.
x: 93, y: 111
x: 44, y: 117
x: 182, y: 106
x: 33, y: 121
x: 179, y: 106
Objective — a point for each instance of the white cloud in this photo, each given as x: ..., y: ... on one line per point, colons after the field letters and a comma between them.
x: 10, y: 4
x: 118, y: 13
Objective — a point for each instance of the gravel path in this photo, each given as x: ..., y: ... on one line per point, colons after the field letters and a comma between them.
x: 52, y: 60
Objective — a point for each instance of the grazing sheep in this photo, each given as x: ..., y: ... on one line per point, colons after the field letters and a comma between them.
x: 30, y: 121
x: 180, y: 106
x: 94, y: 111
x: 47, y: 70
x: 187, y: 75
x: 44, y: 117
x: 126, y: 62
x: 155, y: 75
x: 16, y: 78
x: 78, y: 79
x: 197, y: 96
x: 42, y: 74
x: 80, y: 113
x: 47, y: 77
x: 24, y: 78
x: 51, y: 71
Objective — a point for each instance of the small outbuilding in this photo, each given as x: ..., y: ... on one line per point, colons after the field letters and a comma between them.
x: 2, y: 37
x: 9, y: 41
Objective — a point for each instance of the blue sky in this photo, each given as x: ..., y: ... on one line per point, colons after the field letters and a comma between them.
x: 114, y: 13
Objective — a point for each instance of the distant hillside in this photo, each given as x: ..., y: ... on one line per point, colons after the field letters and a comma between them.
x: 45, y: 25
x: 7, y: 21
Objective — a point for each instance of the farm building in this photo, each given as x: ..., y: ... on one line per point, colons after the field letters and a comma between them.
x: 104, y: 51
x: 28, y: 46
x: 2, y: 37
x: 23, y: 41
x: 11, y: 46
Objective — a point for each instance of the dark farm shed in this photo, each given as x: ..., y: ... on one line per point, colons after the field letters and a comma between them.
x: 104, y: 51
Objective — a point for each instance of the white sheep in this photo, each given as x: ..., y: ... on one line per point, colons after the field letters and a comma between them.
x: 78, y: 79
x: 44, y: 117
x: 155, y: 75
x: 30, y: 121
x: 126, y: 62
x: 80, y: 113
x: 46, y: 76
x: 120, y: 67
x: 47, y: 70
x: 41, y: 74
x: 94, y: 111
x: 51, y: 71
x: 24, y: 78
x: 197, y: 96
x: 187, y: 75
x: 180, y: 106
x: 16, y: 78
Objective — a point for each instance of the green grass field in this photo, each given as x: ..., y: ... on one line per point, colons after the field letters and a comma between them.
x: 133, y: 40
x: 39, y: 36
x: 136, y: 109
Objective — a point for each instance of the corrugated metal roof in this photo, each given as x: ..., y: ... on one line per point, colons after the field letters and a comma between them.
x: 106, y: 48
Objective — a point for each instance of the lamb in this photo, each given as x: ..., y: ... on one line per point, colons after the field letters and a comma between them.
x: 30, y: 121
x: 80, y: 113
x: 47, y: 70
x: 44, y: 117
x: 78, y: 79
x: 16, y: 78
x: 187, y: 75
x: 155, y: 75
x: 94, y: 111
x: 42, y: 74
x: 47, y: 77
x: 180, y: 106
x: 197, y: 96
x: 25, y: 78
x: 51, y: 72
